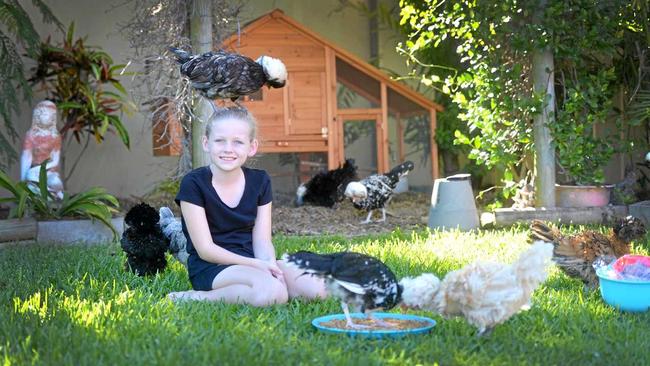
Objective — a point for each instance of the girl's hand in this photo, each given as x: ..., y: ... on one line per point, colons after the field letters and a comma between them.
x: 270, y: 266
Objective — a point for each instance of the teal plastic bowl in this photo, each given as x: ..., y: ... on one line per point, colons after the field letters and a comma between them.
x: 430, y: 323
x: 625, y: 295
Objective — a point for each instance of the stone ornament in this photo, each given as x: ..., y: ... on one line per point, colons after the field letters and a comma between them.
x: 42, y: 142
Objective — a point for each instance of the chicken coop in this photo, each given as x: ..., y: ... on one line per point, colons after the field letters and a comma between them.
x: 331, y: 98
x: 334, y: 103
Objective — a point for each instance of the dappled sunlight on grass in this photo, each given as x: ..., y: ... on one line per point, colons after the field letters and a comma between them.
x: 77, y: 305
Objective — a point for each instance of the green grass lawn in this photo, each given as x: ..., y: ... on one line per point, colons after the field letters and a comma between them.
x: 71, y: 305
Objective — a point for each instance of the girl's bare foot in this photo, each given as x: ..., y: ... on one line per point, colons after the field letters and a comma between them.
x: 181, y: 296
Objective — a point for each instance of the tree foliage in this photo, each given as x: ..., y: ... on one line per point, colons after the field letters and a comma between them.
x: 17, y: 33
x: 492, y: 84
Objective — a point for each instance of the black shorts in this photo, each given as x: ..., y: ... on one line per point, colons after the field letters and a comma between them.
x: 202, y: 278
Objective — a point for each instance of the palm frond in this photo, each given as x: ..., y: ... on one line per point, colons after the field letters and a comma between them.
x: 16, y: 28
x: 48, y: 16
x: 16, y: 20
x: 12, y: 79
x: 639, y: 109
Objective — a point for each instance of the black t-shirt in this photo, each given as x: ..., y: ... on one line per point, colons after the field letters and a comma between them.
x: 231, y: 227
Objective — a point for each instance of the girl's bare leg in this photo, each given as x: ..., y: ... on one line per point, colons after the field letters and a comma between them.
x: 240, y: 285
x: 302, y: 285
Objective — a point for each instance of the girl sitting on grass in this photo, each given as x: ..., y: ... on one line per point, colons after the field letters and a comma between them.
x: 226, y: 217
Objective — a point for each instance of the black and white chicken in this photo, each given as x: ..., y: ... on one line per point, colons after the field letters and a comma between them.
x: 221, y: 74
x: 357, y: 280
x: 374, y: 191
x: 326, y: 188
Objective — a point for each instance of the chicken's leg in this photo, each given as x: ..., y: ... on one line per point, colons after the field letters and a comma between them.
x: 484, y: 332
x: 378, y: 321
x: 383, y: 215
x: 348, y: 318
x: 368, y: 218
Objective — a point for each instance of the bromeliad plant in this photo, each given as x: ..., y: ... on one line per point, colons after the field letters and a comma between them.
x: 83, y: 82
x: 29, y: 198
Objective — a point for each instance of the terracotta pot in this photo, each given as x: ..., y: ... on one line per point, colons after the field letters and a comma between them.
x: 582, y: 196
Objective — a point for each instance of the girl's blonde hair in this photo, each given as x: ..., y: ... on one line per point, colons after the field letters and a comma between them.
x: 239, y: 113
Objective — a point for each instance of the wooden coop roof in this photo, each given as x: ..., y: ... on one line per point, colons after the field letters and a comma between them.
x: 369, y: 69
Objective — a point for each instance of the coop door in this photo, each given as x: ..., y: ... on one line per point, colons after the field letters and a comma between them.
x: 307, y: 103
x: 360, y: 144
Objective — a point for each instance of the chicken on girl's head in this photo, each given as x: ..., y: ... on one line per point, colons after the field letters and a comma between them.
x: 228, y: 75
x: 275, y: 71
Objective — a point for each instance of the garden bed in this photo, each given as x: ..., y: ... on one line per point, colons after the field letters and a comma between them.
x: 407, y: 211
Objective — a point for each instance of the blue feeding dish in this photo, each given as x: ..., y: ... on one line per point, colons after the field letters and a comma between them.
x: 625, y: 295
x: 320, y: 322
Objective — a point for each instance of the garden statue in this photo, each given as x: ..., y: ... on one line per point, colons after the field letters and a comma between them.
x: 42, y: 142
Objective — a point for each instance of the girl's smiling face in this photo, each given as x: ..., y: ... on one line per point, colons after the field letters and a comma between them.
x: 229, y: 143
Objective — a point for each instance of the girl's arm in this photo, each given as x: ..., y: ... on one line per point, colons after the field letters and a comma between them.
x: 197, y: 227
x: 262, y: 244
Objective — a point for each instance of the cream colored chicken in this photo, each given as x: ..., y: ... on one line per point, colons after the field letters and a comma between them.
x: 484, y: 293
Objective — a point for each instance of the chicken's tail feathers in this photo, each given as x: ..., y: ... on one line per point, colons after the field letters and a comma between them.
x: 532, y: 266
x: 403, y: 168
x: 166, y: 219
x: 540, y: 231
x: 310, y: 262
x: 172, y: 229
x: 165, y: 213
x: 182, y: 56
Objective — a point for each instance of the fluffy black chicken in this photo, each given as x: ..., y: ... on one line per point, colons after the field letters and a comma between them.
x: 326, y: 188
x: 373, y: 192
x: 143, y: 241
x: 221, y: 74
x: 358, y: 280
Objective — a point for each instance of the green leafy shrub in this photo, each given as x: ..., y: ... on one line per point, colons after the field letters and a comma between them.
x: 31, y: 199
x: 83, y: 83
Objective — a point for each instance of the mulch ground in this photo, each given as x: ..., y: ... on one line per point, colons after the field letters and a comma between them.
x: 407, y: 211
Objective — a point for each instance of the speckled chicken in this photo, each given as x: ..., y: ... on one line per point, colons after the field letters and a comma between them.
x: 576, y: 254
x: 221, y: 74
x: 484, y: 293
x: 374, y: 191
x: 363, y: 282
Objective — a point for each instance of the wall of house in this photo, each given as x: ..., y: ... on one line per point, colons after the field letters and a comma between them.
x: 135, y: 171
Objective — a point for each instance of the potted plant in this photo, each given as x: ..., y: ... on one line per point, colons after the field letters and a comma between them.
x: 580, y: 154
x: 86, y: 216
x: 83, y: 83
